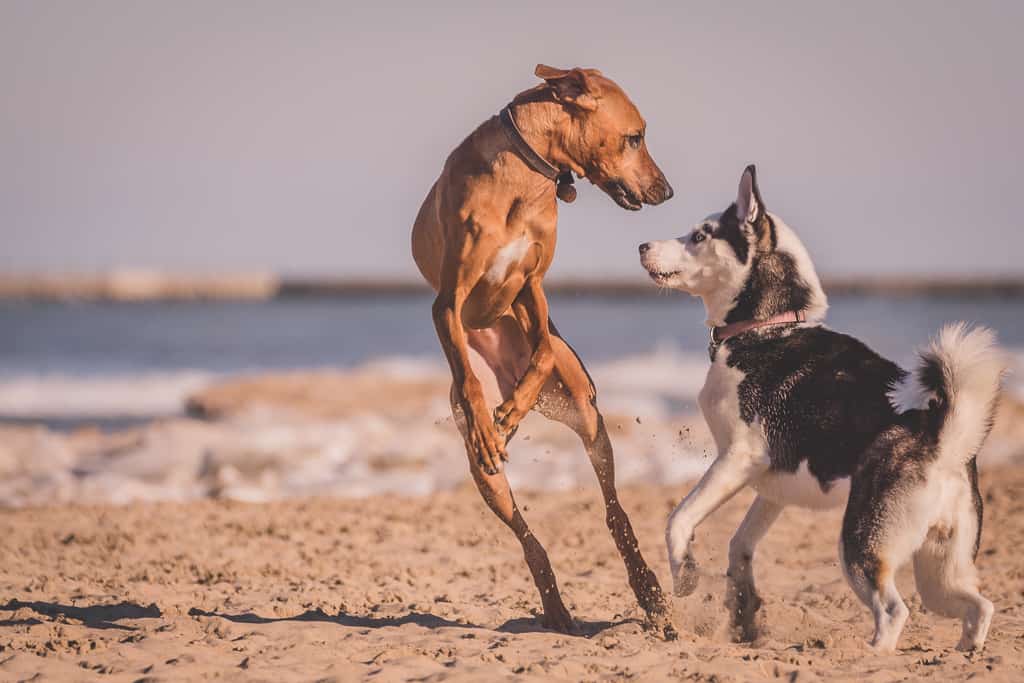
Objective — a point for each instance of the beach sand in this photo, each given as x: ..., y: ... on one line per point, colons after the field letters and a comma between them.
x: 433, y: 588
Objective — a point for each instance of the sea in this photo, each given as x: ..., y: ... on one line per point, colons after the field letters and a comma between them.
x: 118, y: 366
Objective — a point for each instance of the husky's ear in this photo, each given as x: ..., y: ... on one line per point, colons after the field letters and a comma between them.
x: 749, y: 207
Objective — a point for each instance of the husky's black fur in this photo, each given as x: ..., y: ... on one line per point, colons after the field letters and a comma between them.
x: 820, y: 395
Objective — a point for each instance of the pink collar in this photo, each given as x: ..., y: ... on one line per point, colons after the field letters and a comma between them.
x: 720, y: 334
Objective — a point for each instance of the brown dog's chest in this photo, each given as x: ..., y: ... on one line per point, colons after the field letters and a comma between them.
x: 524, y: 249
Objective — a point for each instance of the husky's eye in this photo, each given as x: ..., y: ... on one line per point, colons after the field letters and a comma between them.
x: 698, y: 237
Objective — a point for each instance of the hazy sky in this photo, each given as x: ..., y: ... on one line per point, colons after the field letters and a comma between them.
x: 302, y: 136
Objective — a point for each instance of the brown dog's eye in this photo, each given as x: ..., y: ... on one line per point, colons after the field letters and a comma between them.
x: 635, y: 141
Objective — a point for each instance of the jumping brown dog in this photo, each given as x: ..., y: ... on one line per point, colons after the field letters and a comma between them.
x: 483, y: 239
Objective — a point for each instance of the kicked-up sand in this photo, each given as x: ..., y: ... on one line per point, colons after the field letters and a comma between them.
x: 434, y: 588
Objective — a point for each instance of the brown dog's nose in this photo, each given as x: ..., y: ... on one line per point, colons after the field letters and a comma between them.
x: 645, y: 247
x: 659, y: 191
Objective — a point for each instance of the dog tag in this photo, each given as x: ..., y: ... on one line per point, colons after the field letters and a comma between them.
x: 565, y: 190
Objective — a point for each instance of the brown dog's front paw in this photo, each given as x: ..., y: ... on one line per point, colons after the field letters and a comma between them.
x: 490, y: 454
x: 507, y: 417
x: 482, y: 438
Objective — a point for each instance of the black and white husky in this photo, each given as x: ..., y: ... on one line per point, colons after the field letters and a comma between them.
x: 811, y: 417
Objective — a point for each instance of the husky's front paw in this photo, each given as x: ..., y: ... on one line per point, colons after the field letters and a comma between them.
x: 684, y: 577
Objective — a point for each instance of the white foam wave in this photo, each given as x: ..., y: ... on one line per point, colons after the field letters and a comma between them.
x: 666, y: 374
x: 265, y: 453
x: 56, y: 396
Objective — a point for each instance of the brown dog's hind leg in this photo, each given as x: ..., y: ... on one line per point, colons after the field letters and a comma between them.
x: 496, y: 492
x: 570, y: 398
x: 489, y: 348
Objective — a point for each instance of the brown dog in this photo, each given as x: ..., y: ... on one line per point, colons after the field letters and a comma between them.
x: 484, y: 239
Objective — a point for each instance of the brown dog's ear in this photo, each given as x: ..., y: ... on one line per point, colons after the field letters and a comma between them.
x: 570, y: 86
x: 549, y: 73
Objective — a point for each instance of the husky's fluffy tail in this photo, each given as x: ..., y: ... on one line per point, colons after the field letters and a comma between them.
x: 957, y: 384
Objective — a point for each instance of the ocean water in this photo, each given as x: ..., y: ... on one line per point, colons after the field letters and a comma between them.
x: 91, y: 339
x: 128, y: 368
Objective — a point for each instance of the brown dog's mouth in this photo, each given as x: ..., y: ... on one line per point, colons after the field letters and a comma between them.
x: 622, y: 195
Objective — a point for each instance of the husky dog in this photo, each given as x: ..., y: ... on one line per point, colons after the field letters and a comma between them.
x: 810, y: 417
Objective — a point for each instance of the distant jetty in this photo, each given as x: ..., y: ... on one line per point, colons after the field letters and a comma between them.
x: 138, y: 285
x: 128, y: 285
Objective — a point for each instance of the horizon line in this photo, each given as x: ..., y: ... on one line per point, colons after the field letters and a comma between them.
x: 156, y: 285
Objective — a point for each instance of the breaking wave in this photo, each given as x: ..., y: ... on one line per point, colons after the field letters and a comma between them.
x: 384, y: 427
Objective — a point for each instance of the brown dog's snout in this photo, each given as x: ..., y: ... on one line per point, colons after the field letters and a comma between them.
x: 659, y: 191
x: 667, y: 192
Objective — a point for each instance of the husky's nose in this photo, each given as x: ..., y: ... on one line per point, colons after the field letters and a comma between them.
x: 645, y: 247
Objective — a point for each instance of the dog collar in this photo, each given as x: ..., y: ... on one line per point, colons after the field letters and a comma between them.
x: 563, y: 179
x: 720, y: 334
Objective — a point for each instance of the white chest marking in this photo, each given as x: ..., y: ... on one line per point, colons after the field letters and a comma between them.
x: 719, y: 402
x: 513, y: 252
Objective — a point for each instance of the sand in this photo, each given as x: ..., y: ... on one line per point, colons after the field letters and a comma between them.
x: 391, y: 588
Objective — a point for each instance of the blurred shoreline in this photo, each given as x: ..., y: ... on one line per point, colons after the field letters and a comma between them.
x: 338, y: 389
x: 380, y: 428
x: 129, y: 285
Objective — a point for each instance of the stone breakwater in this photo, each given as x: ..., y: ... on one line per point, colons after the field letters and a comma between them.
x: 137, y: 284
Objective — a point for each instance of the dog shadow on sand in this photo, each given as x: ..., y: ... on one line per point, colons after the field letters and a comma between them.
x: 586, y: 629
x: 93, y: 616
x: 106, y: 616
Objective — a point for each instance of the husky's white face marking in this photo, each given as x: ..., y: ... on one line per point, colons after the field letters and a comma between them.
x: 715, y: 255
x: 695, y: 263
x: 742, y: 248
x: 513, y: 252
x: 699, y: 264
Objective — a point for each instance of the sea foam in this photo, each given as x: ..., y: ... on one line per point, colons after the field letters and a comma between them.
x: 369, y: 443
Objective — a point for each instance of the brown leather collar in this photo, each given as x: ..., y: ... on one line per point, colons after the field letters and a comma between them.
x: 563, y: 179
x: 720, y: 334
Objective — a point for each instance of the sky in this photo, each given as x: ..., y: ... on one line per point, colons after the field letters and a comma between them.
x: 301, y: 137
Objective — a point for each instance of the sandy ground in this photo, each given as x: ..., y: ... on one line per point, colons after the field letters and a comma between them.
x: 434, y: 589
